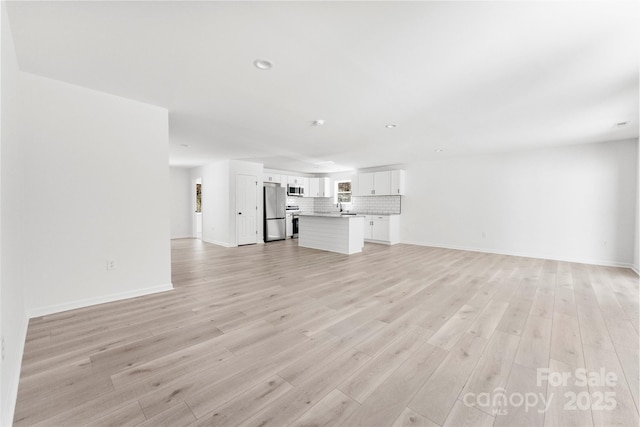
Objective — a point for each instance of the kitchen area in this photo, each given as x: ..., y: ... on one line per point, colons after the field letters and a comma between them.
x: 333, y: 214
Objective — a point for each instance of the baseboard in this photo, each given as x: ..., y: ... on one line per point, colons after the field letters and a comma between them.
x: 9, y: 401
x: 182, y: 237
x: 216, y: 242
x: 526, y: 255
x: 43, y: 311
x: 380, y: 242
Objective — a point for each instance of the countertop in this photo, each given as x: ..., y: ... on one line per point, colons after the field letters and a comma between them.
x: 334, y: 213
x: 331, y: 215
x: 376, y: 213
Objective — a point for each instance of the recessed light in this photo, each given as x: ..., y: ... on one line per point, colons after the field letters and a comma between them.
x: 390, y: 126
x: 621, y: 124
x: 318, y: 122
x: 185, y: 145
x: 438, y: 150
x: 262, y: 64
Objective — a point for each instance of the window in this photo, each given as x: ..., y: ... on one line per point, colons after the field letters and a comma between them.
x: 343, y: 192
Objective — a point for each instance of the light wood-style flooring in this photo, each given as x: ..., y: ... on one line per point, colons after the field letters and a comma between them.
x: 275, y: 335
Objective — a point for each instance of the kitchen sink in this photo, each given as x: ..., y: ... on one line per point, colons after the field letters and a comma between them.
x: 347, y: 213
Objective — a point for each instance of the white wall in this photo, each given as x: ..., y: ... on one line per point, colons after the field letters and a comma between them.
x: 84, y: 178
x: 215, y: 203
x: 95, y: 182
x: 636, y: 249
x: 573, y: 203
x: 182, y: 203
x: 219, y: 200
x: 13, y: 316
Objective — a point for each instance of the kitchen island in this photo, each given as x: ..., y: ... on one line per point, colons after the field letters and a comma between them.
x: 331, y: 232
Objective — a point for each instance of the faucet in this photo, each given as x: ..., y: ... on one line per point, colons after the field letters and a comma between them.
x: 339, y: 205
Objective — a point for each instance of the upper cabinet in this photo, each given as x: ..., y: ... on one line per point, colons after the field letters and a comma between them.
x: 319, y: 187
x: 397, y: 182
x: 382, y: 183
x: 313, y: 188
x: 385, y: 183
x: 325, y: 187
x: 295, y: 180
x: 365, y: 184
x: 269, y: 177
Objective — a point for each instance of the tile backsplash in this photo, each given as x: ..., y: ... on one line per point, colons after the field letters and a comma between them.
x: 306, y: 203
x: 325, y: 204
x: 377, y: 204
x: 370, y: 204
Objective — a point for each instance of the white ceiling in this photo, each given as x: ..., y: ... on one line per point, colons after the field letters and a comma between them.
x: 465, y: 77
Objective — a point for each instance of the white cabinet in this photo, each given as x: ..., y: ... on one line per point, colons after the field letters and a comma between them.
x: 368, y: 227
x: 269, y: 177
x: 365, y: 184
x: 382, y: 183
x: 397, y: 182
x: 319, y: 187
x: 298, y: 181
x: 374, y: 184
x: 289, y: 225
x: 314, y: 187
x: 382, y: 229
x: 324, y: 187
x: 294, y: 180
x: 385, y: 183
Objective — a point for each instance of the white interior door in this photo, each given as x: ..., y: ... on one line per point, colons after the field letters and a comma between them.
x: 246, y: 209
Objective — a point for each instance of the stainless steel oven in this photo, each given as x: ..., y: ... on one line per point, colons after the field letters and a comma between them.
x: 292, y: 215
x: 295, y: 225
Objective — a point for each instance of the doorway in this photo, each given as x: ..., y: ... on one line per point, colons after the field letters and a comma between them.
x: 197, y: 219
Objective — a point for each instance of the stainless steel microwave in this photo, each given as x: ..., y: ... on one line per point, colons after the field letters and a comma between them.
x: 295, y: 190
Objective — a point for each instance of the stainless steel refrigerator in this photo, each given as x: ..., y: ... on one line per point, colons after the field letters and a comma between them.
x: 275, y: 201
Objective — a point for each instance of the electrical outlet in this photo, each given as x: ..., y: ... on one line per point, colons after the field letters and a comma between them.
x: 111, y: 264
x: 484, y: 234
